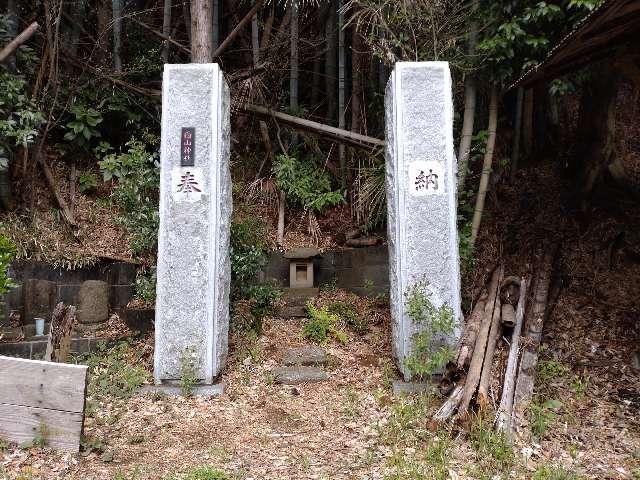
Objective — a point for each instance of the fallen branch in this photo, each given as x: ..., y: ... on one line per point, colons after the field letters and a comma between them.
x: 13, y: 45
x: 333, y: 133
x: 503, y: 423
x: 487, y: 366
x: 471, y: 328
x: 449, y: 407
x: 48, y: 174
x: 245, y: 20
x: 161, y: 35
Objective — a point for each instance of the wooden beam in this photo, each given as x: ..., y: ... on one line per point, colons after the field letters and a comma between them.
x: 35, y: 383
x: 55, y: 428
x: 19, y: 40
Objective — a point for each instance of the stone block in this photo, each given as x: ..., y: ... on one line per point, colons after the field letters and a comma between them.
x: 121, y: 295
x: 39, y: 298
x: 93, y: 302
x: 421, y: 195
x: 68, y: 294
x: 192, y: 301
x: 299, y: 374
x: 122, y: 273
x: 307, y: 356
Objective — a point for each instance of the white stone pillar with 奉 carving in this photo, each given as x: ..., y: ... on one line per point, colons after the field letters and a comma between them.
x: 421, y: 196
x: 192, y: 293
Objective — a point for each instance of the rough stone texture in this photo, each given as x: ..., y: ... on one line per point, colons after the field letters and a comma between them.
x: 192, y: 300
x: 422, y: 233
x: 301, y: 253
x: 299, y: 374
x: 175, y: 391
x: 305, y: 356
x: 39, y: 299
x: 93, y: 302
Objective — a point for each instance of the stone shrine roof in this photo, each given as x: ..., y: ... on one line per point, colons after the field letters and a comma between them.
x: 301, y: 253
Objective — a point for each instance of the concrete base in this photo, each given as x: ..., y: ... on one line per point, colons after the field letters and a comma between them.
x: 175, y: 391
x: 411, y: 388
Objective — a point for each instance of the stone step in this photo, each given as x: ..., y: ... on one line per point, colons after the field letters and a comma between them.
x: 293, y: 311
x: 299, y: 374
x: 307, y: 356
x: 299, y: 296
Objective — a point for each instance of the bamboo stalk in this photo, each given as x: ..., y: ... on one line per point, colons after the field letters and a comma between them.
x: 468, y: 339
x: 494, y: 335
x: 503, y: 423
x: 13, y: 45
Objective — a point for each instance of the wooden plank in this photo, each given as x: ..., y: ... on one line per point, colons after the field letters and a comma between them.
x: 54, y: 428
x: 34, y: 383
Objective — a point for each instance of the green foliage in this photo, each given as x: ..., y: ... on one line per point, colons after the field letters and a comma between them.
x: 82, y: 128
x: 114, y: 371
x: 248, y: 252
x: 434, y: 323
x: 188, y: 370
x: 549, y: 370
x: 547, y: 472
x: 7, y: 254
x: 204, y: 473
x: 494, y: 451
x: 348, y: 314
x: 542, y: 415
x: 321, y: 325
x: 19, y: 117
x: 145, y: 286
x: 305, y: 184
x: 87, y: 182
x: 138, y: 174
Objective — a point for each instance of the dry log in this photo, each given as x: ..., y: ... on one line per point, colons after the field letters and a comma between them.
x: 13, y: 45
x: 533, y: 325
x: 508, y: 315
x: 475, y: 368
x: 337, y: 134
x: 503, y: 423
x: 471, y: 328
x: 487, y: 365
x: 448, y: 407
x: 59, y: 344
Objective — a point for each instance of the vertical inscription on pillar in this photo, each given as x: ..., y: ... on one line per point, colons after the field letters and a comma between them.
x: 188, y: 147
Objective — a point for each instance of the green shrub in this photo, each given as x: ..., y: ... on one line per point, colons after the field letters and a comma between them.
x: 321, y: 325
x: 427, y: 357
x: 349, y: 315
x: 248, y: 253
x: 138, y: 173
x: 114, y: 371
x: 305, y: 184
x: 145, y: 286
x: 555, y: 473
x: 87, y: 182
x: 206, y: 473
x: 7, y: 254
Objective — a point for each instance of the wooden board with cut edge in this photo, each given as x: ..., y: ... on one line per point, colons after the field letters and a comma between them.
x: 42, y: 400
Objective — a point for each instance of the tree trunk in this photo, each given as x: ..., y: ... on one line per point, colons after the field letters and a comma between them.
x: 294, y: 68
x: 527, y: 122
x: 201, y: 31
x: 186, y: 16
x: 330, y: 63
x: 103, y: 17
x: 166, y: 30
x: 358, y: 70
x: 596, y: 127
x: 255, y: 40
x: 517, y: 132
x: 78, y: 15
x: 470, y: 94
x: 266, y: 32
x: 281, y: 208
x: 341, y: 89
x: 217, y: 10
x: 117, y: 35
x: 486, y: 167
x: 12, y: 29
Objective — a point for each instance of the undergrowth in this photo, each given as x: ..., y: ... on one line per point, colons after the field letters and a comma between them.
x: 321, y: 325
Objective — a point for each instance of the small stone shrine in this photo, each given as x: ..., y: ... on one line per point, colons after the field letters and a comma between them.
x: 301, y: 273
x: 192, y: 300
x: 421, y: 195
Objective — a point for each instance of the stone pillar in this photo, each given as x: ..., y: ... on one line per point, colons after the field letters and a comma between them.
x: 421, y: 195
x: 93, y: 304
x: 192, y: 296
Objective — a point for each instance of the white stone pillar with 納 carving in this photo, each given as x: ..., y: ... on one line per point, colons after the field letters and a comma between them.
x: 192, y: 293
x: 421, y: 195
